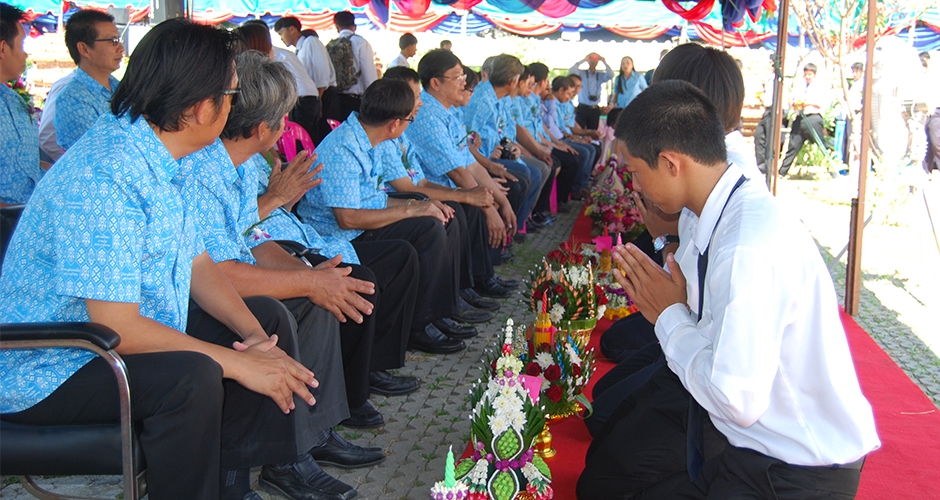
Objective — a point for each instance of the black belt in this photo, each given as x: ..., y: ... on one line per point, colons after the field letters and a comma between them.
x: 856, y: 465
x: 592, y: 106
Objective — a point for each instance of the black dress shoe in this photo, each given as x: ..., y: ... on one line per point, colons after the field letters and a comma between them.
x: 478, y: 301
x: 455, y: 330
x: 341, y: 453
x: 466, y: 313
x: 433, y: 341
x: 386, y: 384
x: 304, y: 480
x: 506, y: 256
x: 491, y: 288
x: 364, y: 417
x: 506, y: 282
x: 518, y: 238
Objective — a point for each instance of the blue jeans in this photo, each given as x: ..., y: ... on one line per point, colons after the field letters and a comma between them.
x: 533, y: 177
x: 586, y: 161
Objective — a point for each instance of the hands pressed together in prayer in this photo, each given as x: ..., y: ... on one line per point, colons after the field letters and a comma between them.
x: 288, y: 185
x: 649, y: 285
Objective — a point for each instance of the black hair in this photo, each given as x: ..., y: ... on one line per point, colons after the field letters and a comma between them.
x: 10, y: 16
x: 287, y: 22
x: 539, y: 71
x: 561, y: 82
x: 386, y: 100
x: 403, y: 73
x: 255, y: 35
x: 713, y: 71
x: 434, y: 64
x: 473, y: 78
x: 406, y: 40
x: 672, y: 115
x: 810, y: 67
x: 574, y: 76
x: 312, y: 33
x: 176, y: 65
x: 81, y: 28
x: 858, y: 66
x: 526, y: 73
x: 344, y: 19
x: 446, y: 42
x: 506, y: 67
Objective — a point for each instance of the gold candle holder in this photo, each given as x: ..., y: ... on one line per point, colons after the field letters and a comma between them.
x: 543, y: 443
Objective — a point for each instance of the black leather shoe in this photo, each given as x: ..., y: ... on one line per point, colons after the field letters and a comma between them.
x: 433, y: 341
x: 478, y: 301
x: 364, y: 417
x: 466, y: 313
x: 491, y: 288
x: 341, y: 453
x: 304, y: 480
x: 506, y: 282
x: 386, y: 384
x: 455, y: 330
x: 518, y: 238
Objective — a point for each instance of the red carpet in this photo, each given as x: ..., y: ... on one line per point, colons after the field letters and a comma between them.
x: 908, y: 423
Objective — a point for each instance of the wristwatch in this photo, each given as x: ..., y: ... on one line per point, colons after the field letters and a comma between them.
x: 661, y: 241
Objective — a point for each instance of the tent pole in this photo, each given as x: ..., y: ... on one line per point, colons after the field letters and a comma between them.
x: 776, y: 117
x: 853, y: 274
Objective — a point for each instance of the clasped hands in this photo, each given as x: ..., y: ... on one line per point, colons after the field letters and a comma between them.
x: 649, y: 285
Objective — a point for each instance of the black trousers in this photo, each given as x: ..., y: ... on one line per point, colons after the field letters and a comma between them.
x: 192, y: 423
x: 588, y: 116
x: 315, y: 350
x: 644, y: 441
x: 762, y: 136
x: 542, y: 204
x: 395, y: 265
x: 802, y: 130
x: 329, y: 108
x: 347, y: 104
x: 306, y: 113
x: 569, y: 170
x: 740, y: 473
x: 625, y: 337
x: 476, y: 264
x: 438, y: 252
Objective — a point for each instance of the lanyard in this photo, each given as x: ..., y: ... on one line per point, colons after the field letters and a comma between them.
x: 703, y: 257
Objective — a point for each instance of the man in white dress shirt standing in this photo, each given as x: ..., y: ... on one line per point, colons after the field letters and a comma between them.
x: 361, y: 64
x: 408, y: 44
x: 746, y: 316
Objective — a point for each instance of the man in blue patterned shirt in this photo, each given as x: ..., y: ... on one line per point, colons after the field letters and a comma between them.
x: 106, y: 238
x: 563, y: 87
x: 351, y: 203
x: 95, y: 45
x: 20, y: 169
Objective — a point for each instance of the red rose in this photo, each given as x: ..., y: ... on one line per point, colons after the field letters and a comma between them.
x: 493, y: 364
x: 544, y: 347
x: 576, y: 370
x: 577, y: 258
x: 555, y: 393
x: 564, y: 300
x: 598, y: 290
x: 602, y: 299
x: 552, y: 373
x: 559, y: 289
x: 537, y: 294
x: 533, y: 369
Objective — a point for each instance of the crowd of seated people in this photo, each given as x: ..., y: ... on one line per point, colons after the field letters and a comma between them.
x: 233, y: 274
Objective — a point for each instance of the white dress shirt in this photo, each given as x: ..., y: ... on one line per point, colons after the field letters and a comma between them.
x: 741, y: 154
x: 401, y: 60
x: 769, y: 359
x: 305, y: 85
x: 47, y: 142
x: 363, y: 61
x: 316, y: 60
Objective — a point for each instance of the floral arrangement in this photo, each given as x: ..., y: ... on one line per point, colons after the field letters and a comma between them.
x: 565, y: 282
x: 504, y: 425
x: 565, y: 369
x: 22, y: 89
x: 449, y: 488
x: 611, y: 205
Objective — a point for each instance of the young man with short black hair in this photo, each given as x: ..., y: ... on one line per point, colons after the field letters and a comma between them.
x: 408, y: 44
x: 747, y: 318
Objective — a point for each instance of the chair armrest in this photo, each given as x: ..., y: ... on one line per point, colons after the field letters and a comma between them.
x: 407, y: 195
x: 99, y: 335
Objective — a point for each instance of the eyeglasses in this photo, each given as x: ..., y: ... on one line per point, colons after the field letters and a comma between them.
x: 469, y: 91
x: 458, y: 79
x: 233, y: 92
x: 409, y: 119
x: 114, y: 41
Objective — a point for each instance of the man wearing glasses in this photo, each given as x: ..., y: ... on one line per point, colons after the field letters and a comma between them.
x: 95, y: 45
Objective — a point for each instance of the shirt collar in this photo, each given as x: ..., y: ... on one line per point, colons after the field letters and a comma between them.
x: 218, y: 155
x: 486, y: 90
x: 346, y: 32
x: 431, y: 103
x: 365, y: 145
x: 151, y: 149
x: 713, y: 207
x: 93, y: 85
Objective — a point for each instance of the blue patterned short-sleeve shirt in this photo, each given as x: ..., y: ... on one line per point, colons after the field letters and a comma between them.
x: 79, y: 105
x: 283, y: 225
x: 402, y: 161
x: 108, y: 224
x: 352, y: 178
x: 224, y: 201
x: 482, y: 115
x: 507, y: 123
x: 19, y: 149
x: 439, y: 139
x: 564, y: 116
x: 527, y: 113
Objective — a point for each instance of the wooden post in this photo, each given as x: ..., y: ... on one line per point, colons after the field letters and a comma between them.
x: 853, y: 272
x: 776, y: 117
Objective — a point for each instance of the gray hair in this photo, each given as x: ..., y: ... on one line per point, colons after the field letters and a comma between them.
x: 268, y: 93
x: 487, y: 66
x: 505, y: 69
